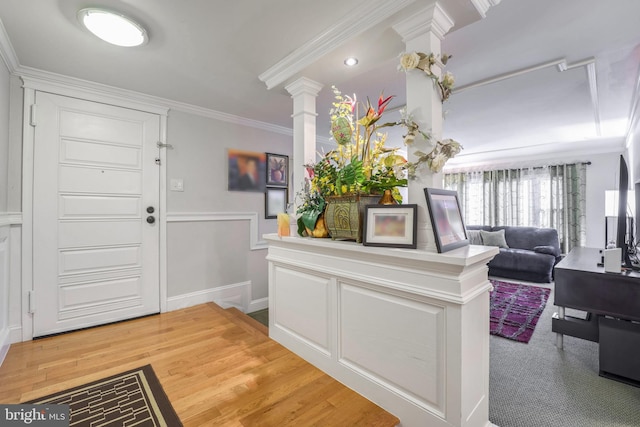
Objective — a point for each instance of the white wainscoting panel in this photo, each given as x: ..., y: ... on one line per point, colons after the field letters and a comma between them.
x: 395, y: 341
x: 302, y: 306
x: 256, y: 243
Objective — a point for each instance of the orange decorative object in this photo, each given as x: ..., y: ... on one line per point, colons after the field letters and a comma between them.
x: 283, y: 225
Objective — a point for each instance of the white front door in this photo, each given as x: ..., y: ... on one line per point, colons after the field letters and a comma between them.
x: 95, y: 252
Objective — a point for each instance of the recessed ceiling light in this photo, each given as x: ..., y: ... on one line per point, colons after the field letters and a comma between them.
x: 351, y: 61
x: 113, y: 27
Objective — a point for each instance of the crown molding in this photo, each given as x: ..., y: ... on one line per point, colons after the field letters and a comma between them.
x: 45, y: 80
x: 483, y: 6
x: 6, y: 50
x: 363, y: 17
x: 432, y: 18
x: 229, y: 118
x: 305, y: 86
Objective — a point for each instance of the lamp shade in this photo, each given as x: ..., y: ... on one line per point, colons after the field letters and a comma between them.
x: 611, y: 203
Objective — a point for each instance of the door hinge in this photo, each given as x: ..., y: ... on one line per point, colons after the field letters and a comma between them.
x: 32, y: 115
x: 32, y: 302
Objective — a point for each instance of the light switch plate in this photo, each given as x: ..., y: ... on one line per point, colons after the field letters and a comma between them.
x: 176, y: 184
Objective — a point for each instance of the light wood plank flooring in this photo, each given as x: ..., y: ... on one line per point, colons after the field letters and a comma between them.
x: 217, y: 367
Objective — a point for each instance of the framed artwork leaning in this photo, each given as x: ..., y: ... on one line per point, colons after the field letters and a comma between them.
x: 275, y: 202
x: 277, y: 170
x: 393, y: 226
x: 446, y: 218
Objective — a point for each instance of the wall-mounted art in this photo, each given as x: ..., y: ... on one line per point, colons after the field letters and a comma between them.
x: 275, y: 201
x: 277, y: 170
x: 246, y: 170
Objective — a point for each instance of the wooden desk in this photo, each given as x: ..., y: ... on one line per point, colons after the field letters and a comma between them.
x: 612, y: 301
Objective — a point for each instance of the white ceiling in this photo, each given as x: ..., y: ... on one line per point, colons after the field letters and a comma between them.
x: 211, y: 54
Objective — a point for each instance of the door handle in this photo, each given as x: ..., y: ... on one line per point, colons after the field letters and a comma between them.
x: 150, y: 209
x: 151, y: 219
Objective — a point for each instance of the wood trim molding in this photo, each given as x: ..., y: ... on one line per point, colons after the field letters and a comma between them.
x: 10, y: 218
x: 6, y: 50
x: 256, y: 243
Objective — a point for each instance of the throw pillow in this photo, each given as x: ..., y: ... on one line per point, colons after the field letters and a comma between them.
x: 493, y: 238
x: 474, y: 237
x: 549, y: 250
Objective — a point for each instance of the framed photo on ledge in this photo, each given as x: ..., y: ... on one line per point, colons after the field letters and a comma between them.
x: 277, y: 170
x: 393, y: 226
x: 275, y: 202
x: 446, y: 218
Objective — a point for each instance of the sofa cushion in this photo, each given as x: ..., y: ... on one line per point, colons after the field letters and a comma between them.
x: 530, y: 237
x: 523, y: 260
x: 474, y: 237
x: 547, y: 249
x: 493, y: 238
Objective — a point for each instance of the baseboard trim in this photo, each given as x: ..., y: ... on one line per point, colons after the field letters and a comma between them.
x: 258, y: 304
x: 236, y: 295
x: 5, y: 343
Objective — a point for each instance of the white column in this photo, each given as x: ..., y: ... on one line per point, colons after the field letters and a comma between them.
x: 304, y: 92
x: 423, y: 32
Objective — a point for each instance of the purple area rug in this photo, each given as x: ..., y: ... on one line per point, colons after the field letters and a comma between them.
x: 515, y: 309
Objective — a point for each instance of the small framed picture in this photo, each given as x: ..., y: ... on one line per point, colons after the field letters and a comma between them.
x: 275, y: 202
x: 393, y: 226
x: 446, y: 218
x: 277, y: 170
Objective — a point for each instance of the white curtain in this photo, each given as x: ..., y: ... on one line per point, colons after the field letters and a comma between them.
x: 549, y: 196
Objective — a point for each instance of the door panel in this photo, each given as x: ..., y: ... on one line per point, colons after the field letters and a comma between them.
x: 95, y: 257
x: 85, y: 152
x: 76, y: 179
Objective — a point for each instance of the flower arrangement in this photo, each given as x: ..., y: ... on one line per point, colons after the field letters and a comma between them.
x: 361, y: 163
x: 424, y: 62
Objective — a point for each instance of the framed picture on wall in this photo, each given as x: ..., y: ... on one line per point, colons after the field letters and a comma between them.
x: 277, y: 170
x: 393, y: 226
x: 275, y: 202
x: 446, y: 218
x: 246, y: 170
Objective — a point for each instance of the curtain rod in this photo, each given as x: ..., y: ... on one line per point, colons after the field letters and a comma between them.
x: 479, y: 168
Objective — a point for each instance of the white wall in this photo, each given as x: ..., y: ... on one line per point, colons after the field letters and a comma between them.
x: 212, y: 249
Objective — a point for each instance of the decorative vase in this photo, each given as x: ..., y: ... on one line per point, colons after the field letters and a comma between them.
x: 344, y: 215
x: 320, y: 230
x: 387, y: 198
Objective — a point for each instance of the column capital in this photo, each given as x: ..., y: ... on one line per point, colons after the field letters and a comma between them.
x: 432, y: 19
x: 304, y: 86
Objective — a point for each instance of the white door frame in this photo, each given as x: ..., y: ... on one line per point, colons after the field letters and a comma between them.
x: 103, y: 95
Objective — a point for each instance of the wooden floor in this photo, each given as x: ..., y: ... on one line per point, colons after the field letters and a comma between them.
x: 218, y: 368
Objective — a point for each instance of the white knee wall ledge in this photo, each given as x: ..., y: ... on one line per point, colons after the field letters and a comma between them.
x: 408, y: 329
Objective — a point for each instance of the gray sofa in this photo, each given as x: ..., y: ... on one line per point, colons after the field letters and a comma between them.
x: 526, y: 253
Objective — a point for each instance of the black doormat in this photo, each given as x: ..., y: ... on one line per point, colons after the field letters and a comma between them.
x: 132, y: 398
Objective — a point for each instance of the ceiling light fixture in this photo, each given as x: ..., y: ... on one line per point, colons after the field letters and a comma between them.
x: 113, y: 27
x: 351, y: 61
